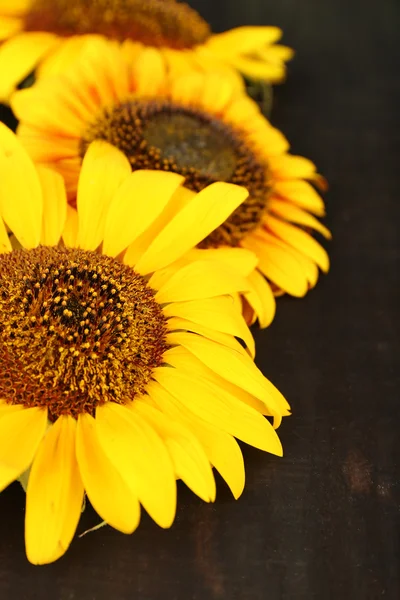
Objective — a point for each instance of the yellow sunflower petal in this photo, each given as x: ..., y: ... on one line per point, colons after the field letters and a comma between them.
x: 217, y: 92
x: 259, y: 69
x: 55, y: 206
x: 138, y: 202
x: 141, y: 458
x: 9, y: 26
x: 234, y: 366
x: 50, y: 108
x: 70, y: 231
x: 201, y: 280
x: 14, y: 7
x: 243, y: 261
x: 149, y: 72
x: 19, y: 56
x: 280, y: 266
x: 104, y: 169
x: 62, y: 57
x: 275, y: 54
x: 177, y: 324
x: 180, y: 358
x: 241, y: 110
x: 300, y: 193
x: 219, y: 408
x: 292, y: 213
x: 222, y: 450
x: 288, y: 166
x: 217, y: 313
x: 46, y: 149
x: 243, y: 40
x: 20, y: 434
x: 54, y: 495
x: 21, y: 200
x: 300, y: 240
x: 261, y: 299
x: 206, y: 211
x: 188, y: 457
x: 5, y: 244
x: 108, y: 492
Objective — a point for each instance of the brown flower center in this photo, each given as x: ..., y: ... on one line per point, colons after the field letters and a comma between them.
x: 152, y: 22
x: 77, y: 329
x: 160, y: 134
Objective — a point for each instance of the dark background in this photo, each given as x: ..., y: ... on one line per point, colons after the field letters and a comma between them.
x: 323, y: 522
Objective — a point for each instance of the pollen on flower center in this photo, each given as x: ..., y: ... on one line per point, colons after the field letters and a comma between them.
x: 152, y: 22
x: 77, y: 329
x: 161, y: 134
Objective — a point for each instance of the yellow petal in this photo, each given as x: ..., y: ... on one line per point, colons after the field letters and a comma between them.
x: 14, y: 7
x: 240, y: 259
x: 141, y: 458
x: 261, y: 299
x: 220, y: 408
x: 300, y: 240
x: 221, y: 448
x: 288, y: 166
x: 54, y: 495
x: 138, y: 202
x: 43, y: 147
x: 149, y: 72
x: 224, y: 454
x: 188, y: 457
x: 20, y: 55
x: 300, y: 193
x: 280, y: 266
x: 201, y: 280
x: 234, y: 366
x: 5, y: 244
x: 104, y: 169
x: 217, y: 313
x: 275, y: 54
x: 177, y: 325
x: 54, y: 206
x: 109, y: 494
x: 243, y: 40
x: 183, y: 360
x: 70, y: 232
x: 49, y: 107
x: 21, y: 199
x: 259, y: 69
x: 62, y: 57
x: 180, y: 198
x: 294, y: 214
x: 20, y: 434
x: 206, y: 211
x: 216, y: 92
x: 9, y: 26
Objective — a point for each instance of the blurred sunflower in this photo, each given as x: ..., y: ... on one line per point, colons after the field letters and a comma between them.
x: 120, y: 367
x: 201, y: 126
x: 49, y: 34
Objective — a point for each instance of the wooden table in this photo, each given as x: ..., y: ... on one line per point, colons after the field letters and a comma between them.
x: 323, y: 522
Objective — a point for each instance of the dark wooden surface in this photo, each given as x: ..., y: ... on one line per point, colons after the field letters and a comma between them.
x: 323, y: 522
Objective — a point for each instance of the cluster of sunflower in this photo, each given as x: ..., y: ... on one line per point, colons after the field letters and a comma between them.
x: 149, y: 213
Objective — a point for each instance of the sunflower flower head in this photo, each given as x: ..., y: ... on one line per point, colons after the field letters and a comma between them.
x: 202, y: 127
x: 48, y: 34
x: 121, y: 366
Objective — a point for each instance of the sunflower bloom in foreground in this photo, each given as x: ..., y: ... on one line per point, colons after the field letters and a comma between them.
x: 202, y: 127
x: 120, y: 366
x: 49, y: 34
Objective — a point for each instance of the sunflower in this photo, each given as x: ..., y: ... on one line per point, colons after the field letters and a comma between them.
x: 48, y: 34
x: 201, y: 126
x: 121, y: 369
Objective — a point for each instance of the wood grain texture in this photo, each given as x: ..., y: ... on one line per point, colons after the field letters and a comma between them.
x: 323, y: 522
